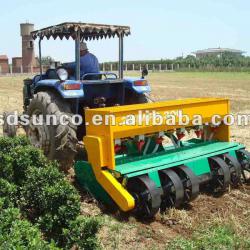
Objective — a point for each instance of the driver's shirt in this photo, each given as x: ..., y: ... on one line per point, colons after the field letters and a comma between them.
x: 88, y: 64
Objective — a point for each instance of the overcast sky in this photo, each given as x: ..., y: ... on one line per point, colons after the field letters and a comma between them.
x: 160, y: 28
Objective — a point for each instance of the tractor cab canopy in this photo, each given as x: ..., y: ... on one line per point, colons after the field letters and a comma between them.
x: 87, y: 31
x: 80, y: 32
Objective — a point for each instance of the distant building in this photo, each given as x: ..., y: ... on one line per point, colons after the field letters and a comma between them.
x: 216, y: 52
x: 28, y: 50
x: 4, y: 64
x: 28, y: 62
x: 17, y: 64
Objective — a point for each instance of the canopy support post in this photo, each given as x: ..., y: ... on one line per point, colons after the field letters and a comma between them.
x: 40, y: 57
x: 121, y: 56
x: 77, y: 55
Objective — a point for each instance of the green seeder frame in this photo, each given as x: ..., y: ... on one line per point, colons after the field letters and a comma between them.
x: 194, y: 154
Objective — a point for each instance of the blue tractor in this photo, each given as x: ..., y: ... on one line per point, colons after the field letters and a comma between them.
x: 61, y: 91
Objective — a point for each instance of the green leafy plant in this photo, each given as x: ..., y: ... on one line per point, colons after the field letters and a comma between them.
x: 7, y: 143
x: 26, y: 158
x: 32, y: 185
x: 8, y: 193
x: 49, y: 200
x: 6, y: 167
x: 16, y: 233
x: 82, y: 233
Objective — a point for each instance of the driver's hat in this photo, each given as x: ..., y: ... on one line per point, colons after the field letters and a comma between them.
x: 83, y: 46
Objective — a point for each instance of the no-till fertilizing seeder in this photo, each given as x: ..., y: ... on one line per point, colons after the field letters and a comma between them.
x: 145, y: 168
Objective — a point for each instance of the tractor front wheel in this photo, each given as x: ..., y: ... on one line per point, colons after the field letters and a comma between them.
x: 45, y: 131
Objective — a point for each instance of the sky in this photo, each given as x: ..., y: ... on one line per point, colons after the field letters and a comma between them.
x: 159, y: 29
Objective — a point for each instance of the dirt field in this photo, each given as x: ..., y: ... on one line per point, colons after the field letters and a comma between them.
x: 232, y: 210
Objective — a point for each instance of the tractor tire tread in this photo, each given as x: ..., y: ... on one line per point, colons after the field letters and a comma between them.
x: 65, y: 139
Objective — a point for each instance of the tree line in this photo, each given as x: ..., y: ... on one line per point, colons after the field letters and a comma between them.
x: 226, y: 60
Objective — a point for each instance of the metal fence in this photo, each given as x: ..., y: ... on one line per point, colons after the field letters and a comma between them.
x: 172, y: 67
x: 138, y: 67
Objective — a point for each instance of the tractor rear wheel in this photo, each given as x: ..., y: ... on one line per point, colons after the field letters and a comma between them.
x: 58, y: 141
x: 9, y: 130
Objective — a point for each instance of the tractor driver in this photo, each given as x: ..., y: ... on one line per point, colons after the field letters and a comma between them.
x: 88, y: 62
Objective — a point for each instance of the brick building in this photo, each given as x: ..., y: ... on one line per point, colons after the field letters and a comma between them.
x: 17, y: 64
x: 4, y: 64
x: 28, y: 50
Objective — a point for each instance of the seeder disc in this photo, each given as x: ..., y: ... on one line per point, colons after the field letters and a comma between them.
x: 147, y: 196
x: 220, y: 174
x: 244, y: 157
x: 173, y: 190
x: 235, y: 169
x: 190, y: 182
